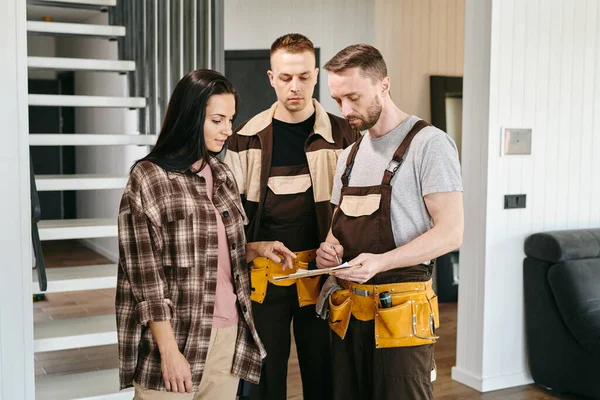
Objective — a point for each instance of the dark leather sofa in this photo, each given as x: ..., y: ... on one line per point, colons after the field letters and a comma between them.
x: 562, y: 310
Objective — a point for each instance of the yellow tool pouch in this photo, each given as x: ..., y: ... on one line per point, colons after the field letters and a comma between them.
x: 259, y: 279
x: 340, y: 310
x: 411, y: 321
x: 264, y: 270
x: 308, y: 290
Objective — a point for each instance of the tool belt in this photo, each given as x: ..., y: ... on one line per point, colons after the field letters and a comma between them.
x: 264, y: 270
x: 411, y: 321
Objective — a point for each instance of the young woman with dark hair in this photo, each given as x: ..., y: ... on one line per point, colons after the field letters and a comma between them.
x: 184, y: 316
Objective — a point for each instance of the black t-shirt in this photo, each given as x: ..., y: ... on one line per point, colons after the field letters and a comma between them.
x: 289, y: 140
x: 290, y: 218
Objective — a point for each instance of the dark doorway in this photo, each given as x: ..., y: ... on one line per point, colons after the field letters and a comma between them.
x: 247, y: 69
x: 53, y: 159
x: 442, y: 88
x: 446, y: 114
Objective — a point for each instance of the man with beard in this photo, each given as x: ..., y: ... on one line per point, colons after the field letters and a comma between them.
x: 399, y: 195
x: 284, y: 161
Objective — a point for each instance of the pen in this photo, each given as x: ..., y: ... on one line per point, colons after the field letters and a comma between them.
x: 336, y: 256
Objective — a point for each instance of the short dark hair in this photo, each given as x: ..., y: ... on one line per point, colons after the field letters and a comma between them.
x: 363, y: 56
x: 293, y: 43
x: 181, y: 140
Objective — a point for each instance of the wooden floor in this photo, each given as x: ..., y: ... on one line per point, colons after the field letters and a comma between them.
x: 101, y: 302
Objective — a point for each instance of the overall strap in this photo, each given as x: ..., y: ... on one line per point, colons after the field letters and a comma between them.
x: 350, y: 161
x: 398, y: 157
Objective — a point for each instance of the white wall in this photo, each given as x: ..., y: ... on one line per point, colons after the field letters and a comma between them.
x: 331, y: 25
x: 419, y: 38
x: 543, y: 73
x: 108, y: 160
x: 476, y: 86
x: 16, y: 317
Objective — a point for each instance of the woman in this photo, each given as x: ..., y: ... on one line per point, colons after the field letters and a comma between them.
x: 183, y: 307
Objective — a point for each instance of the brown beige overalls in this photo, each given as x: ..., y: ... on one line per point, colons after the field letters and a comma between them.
x: 380, y: 353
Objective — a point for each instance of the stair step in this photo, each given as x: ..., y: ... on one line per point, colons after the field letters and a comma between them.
x: 79, y: 64
x: 96, y: 385
x: 93, y: 4
x: 61, y: 100
x: 86, y: 228
x: 89, y: 139
x: 62, y: 334
x: 70, y: 279
x: 71, y: 29
x: 79, y: 182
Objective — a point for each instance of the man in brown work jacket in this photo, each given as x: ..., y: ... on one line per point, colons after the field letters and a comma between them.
x: 284, y: 161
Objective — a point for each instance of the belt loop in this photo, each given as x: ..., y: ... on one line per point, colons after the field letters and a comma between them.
x: 361, y: 292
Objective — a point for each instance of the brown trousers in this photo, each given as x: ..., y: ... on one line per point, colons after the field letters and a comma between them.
x: 273, y: 319
x: 362, y: 372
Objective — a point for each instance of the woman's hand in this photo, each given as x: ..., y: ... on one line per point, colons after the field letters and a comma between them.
x: 175, y: 370
x: 274, y: 251
x: 173, y: 365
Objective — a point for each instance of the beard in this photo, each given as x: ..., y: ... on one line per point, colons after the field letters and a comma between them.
x: 364, y: 122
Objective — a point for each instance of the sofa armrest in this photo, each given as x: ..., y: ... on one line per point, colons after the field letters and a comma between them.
x: 559, y: 246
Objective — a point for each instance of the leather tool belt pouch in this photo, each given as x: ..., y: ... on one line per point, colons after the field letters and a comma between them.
x: 264, y: 269
x: 411, y: 321
x: 340, y: 310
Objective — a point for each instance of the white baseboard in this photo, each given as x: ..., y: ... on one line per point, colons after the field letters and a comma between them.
x: 506, y: 381
x: 93, y: 244
x: 466, y: 378
x: 489, y: 384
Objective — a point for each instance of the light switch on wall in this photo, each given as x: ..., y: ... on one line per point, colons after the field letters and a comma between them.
x: 516, y: 141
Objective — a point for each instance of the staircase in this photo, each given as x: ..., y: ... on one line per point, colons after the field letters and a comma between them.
x: 56, y: 335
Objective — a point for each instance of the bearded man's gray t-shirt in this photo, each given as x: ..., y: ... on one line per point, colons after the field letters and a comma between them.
x: 430, y: 166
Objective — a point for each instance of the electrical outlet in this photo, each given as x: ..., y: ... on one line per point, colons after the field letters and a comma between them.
x: 515, y: 201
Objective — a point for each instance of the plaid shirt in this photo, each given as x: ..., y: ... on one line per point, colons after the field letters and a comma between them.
x: 168, y: 271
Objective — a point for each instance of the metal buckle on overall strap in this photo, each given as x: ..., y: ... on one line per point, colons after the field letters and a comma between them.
x: 393, y: 166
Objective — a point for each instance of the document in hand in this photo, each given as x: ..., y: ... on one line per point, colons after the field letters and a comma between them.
x: 303, y: 273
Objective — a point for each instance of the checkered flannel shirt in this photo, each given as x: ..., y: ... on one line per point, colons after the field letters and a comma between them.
x: 168, y: 271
